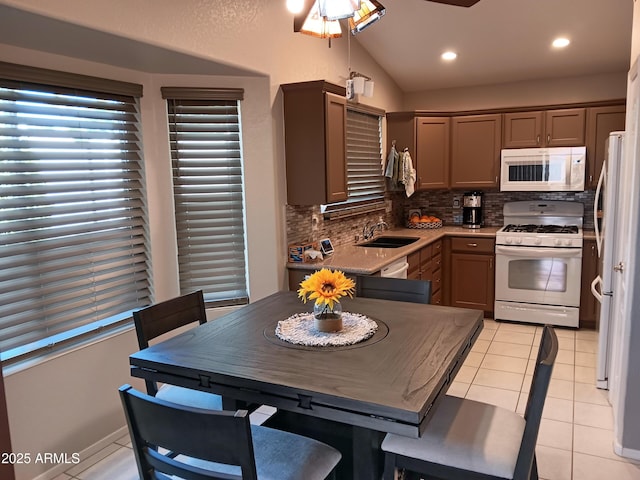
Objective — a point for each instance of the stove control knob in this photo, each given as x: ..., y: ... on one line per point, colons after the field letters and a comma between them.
x: 567, y: 242
x: 518, y: 241
x: 509, y: 240
x: 557, y: 241
x: 538, y: 241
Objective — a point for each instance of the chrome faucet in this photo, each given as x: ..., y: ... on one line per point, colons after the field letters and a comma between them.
x: 368, y: 230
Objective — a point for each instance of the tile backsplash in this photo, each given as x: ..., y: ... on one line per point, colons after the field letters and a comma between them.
x: 306, y: 223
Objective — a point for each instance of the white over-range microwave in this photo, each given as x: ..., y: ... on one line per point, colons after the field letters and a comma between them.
x: 553, y: 169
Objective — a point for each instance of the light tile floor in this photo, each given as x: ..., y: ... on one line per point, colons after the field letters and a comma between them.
x: 575, y: 439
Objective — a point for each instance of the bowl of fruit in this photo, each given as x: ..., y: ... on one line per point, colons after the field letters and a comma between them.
x: 424, y: 221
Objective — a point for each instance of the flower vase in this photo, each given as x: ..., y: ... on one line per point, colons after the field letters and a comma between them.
x: 327, y: 319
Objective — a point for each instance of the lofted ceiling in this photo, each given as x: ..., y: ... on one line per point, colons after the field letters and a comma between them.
x: 498, y: 41
x: 29, y: 30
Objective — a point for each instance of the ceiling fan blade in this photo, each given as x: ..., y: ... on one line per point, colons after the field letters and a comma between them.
x: 457, y: 3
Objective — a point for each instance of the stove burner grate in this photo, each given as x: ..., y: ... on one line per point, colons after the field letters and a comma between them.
x: 531, y: 228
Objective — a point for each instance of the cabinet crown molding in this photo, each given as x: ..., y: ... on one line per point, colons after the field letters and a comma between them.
x: 528, y: 108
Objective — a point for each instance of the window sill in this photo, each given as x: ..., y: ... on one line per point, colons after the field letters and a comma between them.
x: 352, y: 211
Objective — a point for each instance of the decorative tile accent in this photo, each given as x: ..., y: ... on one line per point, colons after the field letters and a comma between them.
x: 438, y: 203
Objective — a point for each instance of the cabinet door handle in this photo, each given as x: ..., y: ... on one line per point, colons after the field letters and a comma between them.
x: 538, y: 139
x: 472, y: 244
x: 548, y: 138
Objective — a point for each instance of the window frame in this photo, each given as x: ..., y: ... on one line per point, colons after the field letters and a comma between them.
x: 185, y: 207
x: 353, y: 206
x: 64, y: 88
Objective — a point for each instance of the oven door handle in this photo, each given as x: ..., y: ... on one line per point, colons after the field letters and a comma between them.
x: 532, y: 252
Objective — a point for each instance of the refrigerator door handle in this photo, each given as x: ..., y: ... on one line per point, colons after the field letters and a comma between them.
x: 594, y: 290
x: 601, y: 181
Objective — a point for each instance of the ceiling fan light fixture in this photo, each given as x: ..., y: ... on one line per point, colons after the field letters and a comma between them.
x: 318, y: 26
x: 370, y: 11
x: 457, y: 3
x: 338, y: 9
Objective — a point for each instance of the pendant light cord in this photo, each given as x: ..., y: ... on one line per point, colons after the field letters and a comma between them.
x: 349, y: 53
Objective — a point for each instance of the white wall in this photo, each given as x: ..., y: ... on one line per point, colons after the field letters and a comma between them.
x: 522, y: 94
x: 635, y: 32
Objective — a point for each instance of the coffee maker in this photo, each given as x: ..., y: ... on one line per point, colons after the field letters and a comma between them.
x: 472, y: 209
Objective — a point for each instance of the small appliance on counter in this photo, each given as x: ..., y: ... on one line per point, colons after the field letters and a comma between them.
x: 472, y: 209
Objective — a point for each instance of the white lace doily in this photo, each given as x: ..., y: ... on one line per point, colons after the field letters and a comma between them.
x: 299, y: 329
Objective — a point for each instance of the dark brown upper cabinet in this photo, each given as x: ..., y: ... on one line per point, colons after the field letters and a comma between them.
x: 600, y: 122
x: 475, y: 151
x: 432, y: 153
x: 315, y: 119
x: 427, y: 139
x: 549, y: 128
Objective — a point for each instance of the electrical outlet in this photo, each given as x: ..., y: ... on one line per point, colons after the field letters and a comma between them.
x: 456, y: 202
x: 314, y: 222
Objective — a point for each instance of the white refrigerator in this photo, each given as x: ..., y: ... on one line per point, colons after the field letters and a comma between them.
x: 603, y: 287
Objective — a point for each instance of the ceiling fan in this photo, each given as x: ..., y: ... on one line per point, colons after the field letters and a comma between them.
x: 457, y: 3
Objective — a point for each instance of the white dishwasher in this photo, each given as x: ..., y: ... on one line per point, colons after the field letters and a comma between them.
x: 397, y: 269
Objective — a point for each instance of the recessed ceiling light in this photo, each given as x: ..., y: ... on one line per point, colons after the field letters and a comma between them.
x: 560, y: 42
x: 295, y: 6
x: 449, y: 56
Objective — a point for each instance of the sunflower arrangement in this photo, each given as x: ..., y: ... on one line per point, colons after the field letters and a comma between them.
x: 326, y: 287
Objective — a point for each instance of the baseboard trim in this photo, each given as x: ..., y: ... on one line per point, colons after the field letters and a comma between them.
x: 84, y: 454
x: 625, y: 452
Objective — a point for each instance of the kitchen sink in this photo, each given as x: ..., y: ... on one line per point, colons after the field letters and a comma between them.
x: 389, y: 242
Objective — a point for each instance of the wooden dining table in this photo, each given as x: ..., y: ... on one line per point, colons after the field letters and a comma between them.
x: 348, y: 396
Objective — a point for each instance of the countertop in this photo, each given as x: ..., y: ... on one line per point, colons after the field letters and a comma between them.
x: 368, y: 260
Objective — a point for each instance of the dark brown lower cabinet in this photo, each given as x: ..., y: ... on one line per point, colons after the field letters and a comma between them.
x: 588, y: 303
x: 472, y: 273
x: 426, y: 264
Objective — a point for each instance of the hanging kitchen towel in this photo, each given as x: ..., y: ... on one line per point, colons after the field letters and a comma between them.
x: 408, y: 173
x: 392, y: 159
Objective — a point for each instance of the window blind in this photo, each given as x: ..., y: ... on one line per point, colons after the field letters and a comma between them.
x: 72, y: 213
x: 365, y: 182
x: 206, y: 153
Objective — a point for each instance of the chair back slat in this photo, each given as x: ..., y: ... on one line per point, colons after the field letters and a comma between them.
x: 535, y: 403
x: 163, y: 317
x: 215, y: 436
x: 398, y: 289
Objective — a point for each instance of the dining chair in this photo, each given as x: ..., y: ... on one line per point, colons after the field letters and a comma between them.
x: 399, y: 289
x: 470, y: 440
x: 192, y: 443
x: 164, y: 317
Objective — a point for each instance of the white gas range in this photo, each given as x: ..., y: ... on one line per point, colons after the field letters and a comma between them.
x: 539, y: 263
